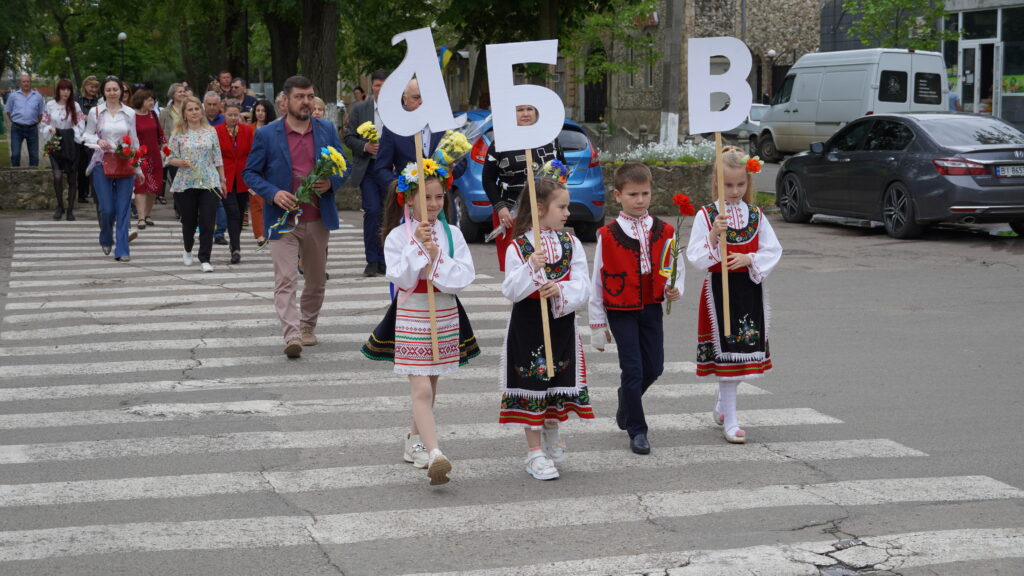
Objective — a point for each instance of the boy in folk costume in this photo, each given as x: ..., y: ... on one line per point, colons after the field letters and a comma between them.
x: 632, y: 267
x: 753, y: 252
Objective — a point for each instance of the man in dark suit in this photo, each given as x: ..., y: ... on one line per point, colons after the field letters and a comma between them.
x: 396, y: 151
x: 364, y: 154
x: 283, y: 154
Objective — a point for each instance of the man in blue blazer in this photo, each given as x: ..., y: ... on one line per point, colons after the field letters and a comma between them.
x: 283, y: 154
x: 395, y: 152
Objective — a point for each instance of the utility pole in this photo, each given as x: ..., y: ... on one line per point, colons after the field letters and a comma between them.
x: 673, y: 40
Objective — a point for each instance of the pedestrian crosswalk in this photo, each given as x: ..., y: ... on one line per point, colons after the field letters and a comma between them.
x: 148, y: 418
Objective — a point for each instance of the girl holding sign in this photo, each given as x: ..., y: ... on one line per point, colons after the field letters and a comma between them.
x: 753, y: 252
x: 417, y: 246
x: 535, y: 397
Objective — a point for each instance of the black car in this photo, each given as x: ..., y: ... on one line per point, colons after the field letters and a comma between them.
x: 908, y: 171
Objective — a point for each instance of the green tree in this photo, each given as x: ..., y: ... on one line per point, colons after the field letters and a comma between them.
x: 898, y: 23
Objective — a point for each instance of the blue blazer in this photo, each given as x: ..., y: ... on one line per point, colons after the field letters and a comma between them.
x: 396, y: 152
x: 269, y: 169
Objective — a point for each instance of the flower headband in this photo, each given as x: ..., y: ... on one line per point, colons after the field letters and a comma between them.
x: 410, y: 177
x: 554, y: 170
x: 752, y: 165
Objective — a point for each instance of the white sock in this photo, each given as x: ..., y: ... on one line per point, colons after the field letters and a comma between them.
x: 727, y: 402
x: 718, y: 402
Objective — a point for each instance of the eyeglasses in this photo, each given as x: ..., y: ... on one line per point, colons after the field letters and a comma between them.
x: 108, y: 78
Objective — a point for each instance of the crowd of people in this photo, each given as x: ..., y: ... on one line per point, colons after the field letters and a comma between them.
x: 231, y: 153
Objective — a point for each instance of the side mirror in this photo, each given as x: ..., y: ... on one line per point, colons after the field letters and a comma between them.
x: 817, y: 148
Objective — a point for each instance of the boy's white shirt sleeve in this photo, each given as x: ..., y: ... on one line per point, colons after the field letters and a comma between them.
x: 574, y: 292
x: 453, y: 273
x: 598, y: 318
x: 699, y: 251
x: 769, y: 252
x: 405, y: 258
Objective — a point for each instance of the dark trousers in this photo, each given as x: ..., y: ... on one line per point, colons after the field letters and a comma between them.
x: 198, y: 206
x: 373, y: 213
x: 641, y: 341
x: 28, y: 134
x: 235, y: 205
x: 84, y: 182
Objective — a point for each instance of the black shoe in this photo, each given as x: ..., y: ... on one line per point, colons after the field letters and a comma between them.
x: 58, y: 213
x: 70, y: 216
x: 639, y: 445
x: 161, y: 199
x: 83, y: 199
x: 372, y: 269
x: 236, y: 257
x: 219, y: 240
x: 106, y: 250
x: 382, y: 268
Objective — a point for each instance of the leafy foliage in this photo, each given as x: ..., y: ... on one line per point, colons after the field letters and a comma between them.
x: 898, y: 23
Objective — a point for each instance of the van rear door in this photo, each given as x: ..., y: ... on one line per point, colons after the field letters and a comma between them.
x: 929, y: 94
x: 893, y: 83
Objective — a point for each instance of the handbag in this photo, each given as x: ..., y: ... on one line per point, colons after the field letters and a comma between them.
x: 115, y: 166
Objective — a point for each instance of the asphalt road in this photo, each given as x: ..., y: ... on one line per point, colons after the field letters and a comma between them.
x: 150, y: 425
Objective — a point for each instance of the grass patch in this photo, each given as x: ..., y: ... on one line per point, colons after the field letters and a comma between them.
x: 764, y: 200
x: 5, y: 152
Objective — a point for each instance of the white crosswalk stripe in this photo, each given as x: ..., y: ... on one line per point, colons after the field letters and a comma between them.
x: 154, y: 387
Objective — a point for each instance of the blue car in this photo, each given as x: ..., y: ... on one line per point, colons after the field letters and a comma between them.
x: 586, y: 184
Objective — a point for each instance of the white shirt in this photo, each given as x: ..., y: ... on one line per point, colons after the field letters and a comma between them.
x: 56, y: 117
x: 407, y: 260
x: 521, y: 279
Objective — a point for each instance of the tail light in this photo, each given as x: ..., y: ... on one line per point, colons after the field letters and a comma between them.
x: 593, y: 156
x: 959, y: 167
x: 479, y: 151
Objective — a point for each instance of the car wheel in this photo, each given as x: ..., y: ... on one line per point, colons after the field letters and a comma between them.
x: 1017, y: 226
x: 586, y: 231
x: 791, y: 199
x: 752, y: 145
x: 769, y: 153
x: 470, y: 230
x: 898, y: 212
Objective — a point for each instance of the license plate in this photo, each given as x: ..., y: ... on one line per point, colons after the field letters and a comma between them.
x: 1009, y: 171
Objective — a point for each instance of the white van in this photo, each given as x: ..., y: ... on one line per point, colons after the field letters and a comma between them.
x: 824, y: 91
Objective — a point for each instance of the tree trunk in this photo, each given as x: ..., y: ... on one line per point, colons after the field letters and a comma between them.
x: 479, y: 74
x: 284, y: 49
x: 318, y: 49
x: 237, y: 37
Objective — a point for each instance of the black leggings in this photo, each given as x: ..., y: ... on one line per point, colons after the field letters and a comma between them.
x: 235, y: 205
x: 198, y: 206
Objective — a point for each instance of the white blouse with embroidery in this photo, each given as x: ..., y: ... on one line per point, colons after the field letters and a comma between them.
x: 56, y: 117
x: 703, y: 253
x: 637, y: 229
x: 407, y: 259
x: 521, y: 279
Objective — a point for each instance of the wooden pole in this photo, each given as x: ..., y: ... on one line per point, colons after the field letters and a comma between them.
x: 550, y: 366
x: 722, y: 240
x: 422, y: 203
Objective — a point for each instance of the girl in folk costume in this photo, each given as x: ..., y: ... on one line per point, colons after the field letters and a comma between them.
x: 753, y: 252
x: 418, y: 245
x: 556, y: 271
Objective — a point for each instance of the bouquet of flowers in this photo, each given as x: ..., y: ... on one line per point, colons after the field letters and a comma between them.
x: 368, y: 131
x: 133, y: 155
x: 52, y: 145
x: 682, y: 201
x: 330, y: 163
x: 452, y: 147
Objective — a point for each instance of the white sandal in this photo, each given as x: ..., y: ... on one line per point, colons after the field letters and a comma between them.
x: 737, y: 436
x: 541, y: 467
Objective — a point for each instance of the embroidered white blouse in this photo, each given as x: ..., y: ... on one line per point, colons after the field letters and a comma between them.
x: 407, y: 260
x: 521, y: 279
x: 703, y: 254
x: 56, y: 117
x: 637, y: 229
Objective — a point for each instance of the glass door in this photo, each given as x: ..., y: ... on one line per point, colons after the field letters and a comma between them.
x: 968, y: 78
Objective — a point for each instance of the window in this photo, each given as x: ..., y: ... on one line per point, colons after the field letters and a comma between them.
x: 927, y: 88
x: 649, y: 56
x: 980, y: 24
x: 889, y: 135
x: 893, y: 87
x: 849, y: 138
x: 1013, y: 25
x: 782, y: 96
x: 572, y: 140
x: 972, y: 131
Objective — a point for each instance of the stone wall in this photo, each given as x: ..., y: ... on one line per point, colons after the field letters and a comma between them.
x: 694, y: 180
x: 26, y: 189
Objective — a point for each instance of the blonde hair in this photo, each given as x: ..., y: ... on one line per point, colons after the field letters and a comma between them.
x: 734, y: 158
x: 181, y: 123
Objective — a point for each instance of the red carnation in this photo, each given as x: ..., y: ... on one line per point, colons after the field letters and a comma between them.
x: 753, y: 166
x: 142, y: 150
x: 167, y: 150
x: 127, y: 140
x: 683, y: 202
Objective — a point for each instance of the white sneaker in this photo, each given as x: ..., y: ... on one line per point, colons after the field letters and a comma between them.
x: 540, y: 466
x: 438, y: 468
x: 207, y: 267
x: 553, y: 445
x: 415, y: 452
x: 186, y: 258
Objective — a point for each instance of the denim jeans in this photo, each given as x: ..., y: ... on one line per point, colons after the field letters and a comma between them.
x: 29, y: 135
x: 114, y: 196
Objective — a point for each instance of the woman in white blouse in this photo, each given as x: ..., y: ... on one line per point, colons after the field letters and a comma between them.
x: 106, y: 126
x: 63, y: 117
x: 199, y: 183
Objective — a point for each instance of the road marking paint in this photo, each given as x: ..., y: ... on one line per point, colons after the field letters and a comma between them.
x: 193, y: 277
x: 259, y: 441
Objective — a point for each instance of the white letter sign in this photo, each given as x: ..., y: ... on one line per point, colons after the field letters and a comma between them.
x: 505, y: 96
x: 701, y: 83
x: 420, y: 61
